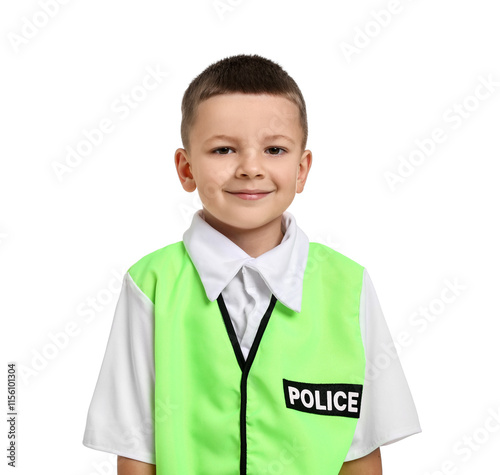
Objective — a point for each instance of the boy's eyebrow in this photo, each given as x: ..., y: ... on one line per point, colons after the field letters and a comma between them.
x: 221, y: 137
x: 267, y: 137
x: 279, y: 136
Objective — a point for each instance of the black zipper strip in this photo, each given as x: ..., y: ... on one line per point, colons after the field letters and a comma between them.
x: 245, y: 368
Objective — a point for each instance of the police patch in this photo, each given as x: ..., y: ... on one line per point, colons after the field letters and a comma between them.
x: 326, y: 399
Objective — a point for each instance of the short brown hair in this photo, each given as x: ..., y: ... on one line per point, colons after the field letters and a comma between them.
x: 247, y: 74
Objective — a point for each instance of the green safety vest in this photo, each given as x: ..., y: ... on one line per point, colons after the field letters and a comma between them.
x: 291, y: 407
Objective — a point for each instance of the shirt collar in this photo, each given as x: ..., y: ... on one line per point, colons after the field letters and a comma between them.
x: 217, y: 260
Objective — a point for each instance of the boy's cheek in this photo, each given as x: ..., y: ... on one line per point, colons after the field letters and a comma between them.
x: 208, y: 190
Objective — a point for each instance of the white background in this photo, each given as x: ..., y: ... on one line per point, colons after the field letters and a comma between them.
x: 66, y: 241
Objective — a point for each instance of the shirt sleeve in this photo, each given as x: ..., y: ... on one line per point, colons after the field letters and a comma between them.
x: 120, y: 419
x: 388, y: 413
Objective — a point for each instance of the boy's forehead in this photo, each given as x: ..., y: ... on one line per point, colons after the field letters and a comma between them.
x: 236, y: 113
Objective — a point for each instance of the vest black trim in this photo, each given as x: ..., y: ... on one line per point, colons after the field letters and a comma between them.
x: 245, y: 368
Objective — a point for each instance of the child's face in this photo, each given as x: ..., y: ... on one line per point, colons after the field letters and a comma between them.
x: 246, y: 159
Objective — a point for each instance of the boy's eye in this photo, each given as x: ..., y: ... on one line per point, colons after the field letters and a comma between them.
x: 223, y: 150
x: 276, y: 150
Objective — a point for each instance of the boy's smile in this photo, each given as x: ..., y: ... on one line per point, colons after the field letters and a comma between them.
x: 246, y: 159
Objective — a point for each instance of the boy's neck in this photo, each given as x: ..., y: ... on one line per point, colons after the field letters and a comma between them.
x: 253, y: 241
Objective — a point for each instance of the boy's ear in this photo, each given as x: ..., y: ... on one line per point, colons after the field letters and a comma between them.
x: 183, y: 168
x: 303, y: 170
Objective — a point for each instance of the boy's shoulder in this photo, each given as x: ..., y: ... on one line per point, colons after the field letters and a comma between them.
x: 158, y: 257
x: 146, y: 270
x: 323, y: 254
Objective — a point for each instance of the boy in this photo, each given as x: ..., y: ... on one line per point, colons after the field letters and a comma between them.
x: 244, y: 348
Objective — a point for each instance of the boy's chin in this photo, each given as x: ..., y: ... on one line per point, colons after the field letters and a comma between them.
x: 245, y: 223
x: 244, y: 220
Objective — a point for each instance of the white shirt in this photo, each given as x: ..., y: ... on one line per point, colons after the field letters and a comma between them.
x: 120, y: 418
x: 246, y: 282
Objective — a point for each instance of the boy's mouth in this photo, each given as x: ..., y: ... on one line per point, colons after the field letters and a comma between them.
x: 250, y: 194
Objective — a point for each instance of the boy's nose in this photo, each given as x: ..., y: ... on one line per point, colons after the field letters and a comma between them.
x: 250, y: 164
